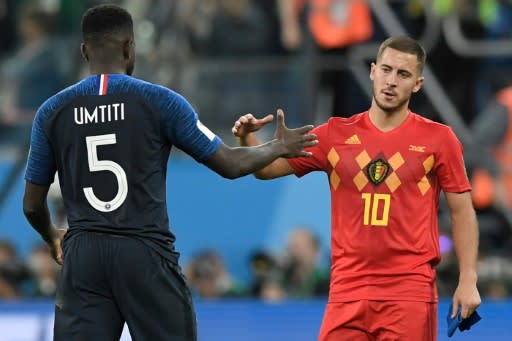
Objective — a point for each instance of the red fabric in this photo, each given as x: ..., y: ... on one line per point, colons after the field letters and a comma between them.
x: 384, y: 235
x: 377, y: 320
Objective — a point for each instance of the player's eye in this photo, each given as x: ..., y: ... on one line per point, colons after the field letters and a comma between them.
x: 404, y: 74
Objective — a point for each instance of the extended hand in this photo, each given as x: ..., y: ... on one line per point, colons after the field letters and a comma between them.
x: 294, y: 140
x: 247, y: 124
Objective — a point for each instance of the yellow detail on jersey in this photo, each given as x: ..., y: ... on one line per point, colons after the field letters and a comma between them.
x: 393, y: 182
x: 414, y: 148
x: 380, y: 170
x: 360, y: 180
x: 428, y: 163
x: 354, y: 139
x: 423, y: 185
x: 334, y: 179
x: 333, y: 157
x: 363, y: 159
x: 372, y: 203
x: 396, y: 161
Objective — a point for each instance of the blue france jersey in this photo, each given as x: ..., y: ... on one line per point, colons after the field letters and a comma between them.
x: 109, y: 138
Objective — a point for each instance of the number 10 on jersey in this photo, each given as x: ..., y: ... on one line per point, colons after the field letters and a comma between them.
x: 375, y: 203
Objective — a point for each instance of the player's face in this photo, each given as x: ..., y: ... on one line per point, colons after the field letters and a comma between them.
x: 395, y: 77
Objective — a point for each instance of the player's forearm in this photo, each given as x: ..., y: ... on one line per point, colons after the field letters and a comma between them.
x: 249, y: 140
x: 255, y: 159
x: 266, y: 172
x: 38, y: 216
x: 465, y: 240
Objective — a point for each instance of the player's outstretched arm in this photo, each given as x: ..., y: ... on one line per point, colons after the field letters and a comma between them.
x: 465, y: 240
x: 245, y: 129
x: 36, y: 211
x: 239, y: 161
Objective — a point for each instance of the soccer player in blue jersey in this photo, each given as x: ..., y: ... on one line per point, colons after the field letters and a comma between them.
x: 109, y: 137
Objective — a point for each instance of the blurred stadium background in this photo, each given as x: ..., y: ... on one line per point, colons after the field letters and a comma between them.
x: 257, y: 253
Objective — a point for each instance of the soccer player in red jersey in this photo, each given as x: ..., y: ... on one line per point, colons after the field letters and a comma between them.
x: 386, y: 168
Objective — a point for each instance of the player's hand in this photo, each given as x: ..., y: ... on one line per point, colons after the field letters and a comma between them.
x: 294, y: 140
x: 467, y: 297
x: 247, y: 124
x: 55, y: 245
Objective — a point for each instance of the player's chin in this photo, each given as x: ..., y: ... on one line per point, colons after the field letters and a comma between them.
x: 391, y: 105
x: 387, y: 106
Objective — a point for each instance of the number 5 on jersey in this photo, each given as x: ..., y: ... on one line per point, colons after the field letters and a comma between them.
x: 96, y: 165
x: 372, y: 203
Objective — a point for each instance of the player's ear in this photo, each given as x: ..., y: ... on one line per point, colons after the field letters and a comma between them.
x: 372, y: 71
x: 418, y: 85
x: 128, y: 48
x: 83, y: 50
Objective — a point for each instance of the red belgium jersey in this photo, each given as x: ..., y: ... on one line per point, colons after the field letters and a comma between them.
x: 384, y: 200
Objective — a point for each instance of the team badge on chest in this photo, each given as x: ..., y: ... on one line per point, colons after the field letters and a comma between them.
x: 378, y: 170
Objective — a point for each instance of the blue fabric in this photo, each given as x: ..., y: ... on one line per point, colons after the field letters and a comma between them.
x: 179, y: 120
x: 180, y: 123
x: 41, y: 165
x: 459, y: 322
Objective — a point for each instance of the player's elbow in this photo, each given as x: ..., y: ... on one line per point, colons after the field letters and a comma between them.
x: 231, y: 174
x: 235, y: 171
x: 238, y: 170
x: 31, y: 208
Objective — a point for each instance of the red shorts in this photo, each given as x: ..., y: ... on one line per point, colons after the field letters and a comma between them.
x: 379, y: 321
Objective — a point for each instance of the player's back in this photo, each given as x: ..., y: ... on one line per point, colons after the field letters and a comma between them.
x: 106, y: 133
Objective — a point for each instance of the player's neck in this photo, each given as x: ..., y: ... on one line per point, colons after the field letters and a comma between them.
x: 387, y: 121
x: 99, y: 68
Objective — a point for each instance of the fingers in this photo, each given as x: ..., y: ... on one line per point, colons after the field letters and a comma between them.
x: 310, y: 143
x: 467, y: 310
x: 455, y: 308
x: 267, y: 119
x: 305, y: 129
x: 58, y: 255
x: 235, y: 127
x: 464, y: 313
x: 60, y: 258
x: 306, y: 154
x: 280, y: 117
x: 240, y: 122
x: 252, y: 122
x: 310, y: 137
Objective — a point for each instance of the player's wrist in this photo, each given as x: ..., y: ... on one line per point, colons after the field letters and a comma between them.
x: 279, y: 147
x: 50, y: 235
x: 468, y: 276
x: 247, y: 139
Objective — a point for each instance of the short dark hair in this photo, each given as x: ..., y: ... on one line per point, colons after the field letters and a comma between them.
x: 407, y: 45
x: 102, y: 22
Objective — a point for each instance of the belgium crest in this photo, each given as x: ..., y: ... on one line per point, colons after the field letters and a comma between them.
x: 378, y: 170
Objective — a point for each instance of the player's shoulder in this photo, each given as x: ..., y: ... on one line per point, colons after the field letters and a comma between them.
x: 156, y: 94
x: 430, y: 126
x: 345, y: 122
x: 64, y: 96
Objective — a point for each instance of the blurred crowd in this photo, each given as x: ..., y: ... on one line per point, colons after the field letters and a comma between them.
x: 300, y: 271
x: 235, y: 56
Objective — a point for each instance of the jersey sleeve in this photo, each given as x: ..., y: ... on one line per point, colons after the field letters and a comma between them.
x: 451, y: 169
x: 305, y: 165
x: 184, y: 129
x: 41, y: 166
